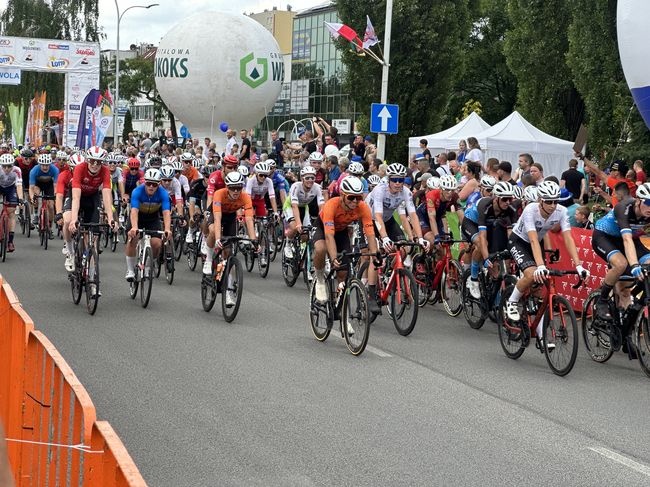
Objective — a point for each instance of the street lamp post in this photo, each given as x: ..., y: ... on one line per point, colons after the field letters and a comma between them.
x: 117, y: 64
x: 381, y: 138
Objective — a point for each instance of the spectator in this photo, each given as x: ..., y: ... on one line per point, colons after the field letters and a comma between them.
x: 245, y: 151
x: 566, y: 200
x: 277, y: 149
x: 492, y: 167
x: 537, y: 172
x: 524, y: 161
x: 230, y: 134
x: 504, y: 172
x: 475, y: 153
x: 333, y: 168
x: 462, y: 152
x: 308, y: 142
x: 640, y: 173
x: 616, y: 170
x: 442, y: 168
x: 370, y: 147
x: 582, y: 218
x: 422, y: 167
x: 358, y: 146
x: 424, y: 150
x: 574, y: 180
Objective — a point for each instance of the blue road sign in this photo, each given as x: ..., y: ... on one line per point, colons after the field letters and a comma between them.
x: 384, y: 118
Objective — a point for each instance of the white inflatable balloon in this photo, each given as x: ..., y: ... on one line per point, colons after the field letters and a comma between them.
x: 632, y: 20
x: 208, y: 75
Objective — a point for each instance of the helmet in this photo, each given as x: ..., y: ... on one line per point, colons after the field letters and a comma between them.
x: 396, y: 170
x: 166, y: 172
x: 62, y: 155
x: 45, y: 159
x: 373, y: 180
x: 448, y: 183
x: 530, y: 194
x: 642, y: 192
x: 207, y: 170
x: 548, y: 190
x: 351, y: 185
x: 488, y: 182
x: 271, y: 164
x: 315, y: 157
x: 262, y: 168
x: 517, y: 192
x: 154, y: 161
x: 26, y: 153
x: 6, y: 160
x: 171, y: 159
x: 234, y: 178
x: 356, y: 169
x: 96, y: 153
x: 197, y: 162
x: 177, y: 165
x: 503, y: 189
x: 133, y: 163
x: 187, y: 156
x: 307, y: 171
x: 433, y: 182
x: 112, y: 158
x: 76, y: 159
x: 243, y: 170
x: 152, y: 174
x: 230, y: 159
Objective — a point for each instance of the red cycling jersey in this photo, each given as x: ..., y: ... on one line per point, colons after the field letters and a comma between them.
x: 64, y: 183
x: 215, y: 182
x: 90, y: 183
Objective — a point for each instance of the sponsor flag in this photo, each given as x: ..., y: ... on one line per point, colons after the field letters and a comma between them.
x: 341, y: 30
x: 17, y: 117
x: 85, y: 128
x: 369, y: 37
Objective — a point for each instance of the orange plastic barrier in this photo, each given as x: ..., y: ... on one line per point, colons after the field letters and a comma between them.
x: 50, y: 421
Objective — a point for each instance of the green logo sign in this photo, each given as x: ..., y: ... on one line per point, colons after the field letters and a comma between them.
x: 249, y: 72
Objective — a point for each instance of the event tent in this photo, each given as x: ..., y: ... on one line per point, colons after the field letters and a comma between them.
x: 514, y: 135
x: 448, y: 139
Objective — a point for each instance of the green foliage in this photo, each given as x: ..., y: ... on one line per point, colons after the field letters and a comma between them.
x: 427, y: 41
x: 128, y: 125
x: 469, y: 107
x: 535, y: 49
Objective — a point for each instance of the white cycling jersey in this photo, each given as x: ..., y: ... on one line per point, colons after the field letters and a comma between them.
x: 14, y: 177
x: 531, y: 219
x: 299, y: 196
x: 175, y: 190
x: 257, y: 190
x: 381, y: 200
x: 185, y: 184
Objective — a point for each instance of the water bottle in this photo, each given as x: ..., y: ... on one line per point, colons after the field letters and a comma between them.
x: 339, y: 292
x: 219, y: 270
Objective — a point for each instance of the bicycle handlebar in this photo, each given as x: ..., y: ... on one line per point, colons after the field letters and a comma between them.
x: 501, y: 255
x: 559, y: 273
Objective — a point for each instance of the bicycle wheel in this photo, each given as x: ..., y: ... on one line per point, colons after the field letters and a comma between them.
x: 21, y: 218
x: 232, y: 282
x: 273, y: 244
x: 354, y: 317
x: 114, y: 239
x: 147, y: 277
x: 92, y: 281
x: 168, y: 262
x: 28, y: 218
x: 289, y: 272
x: 123, y: 234
x: 193, y: 253
x: 41, y: 230
x: 643, y: 342
x: 404, y: 302
x: 320, y: 315
x: 157, y: 264
x: 597, y: 341
x: 473, y: 309
x: 422, y: 279
x: 563, y: 331
x: 263, y: 259
x: 76, y: 284
x: 451, y: 288
x: 106, y: 238
x: 179, y: 239
x: 133, y: 285
x: 308, y: 265
x: 209, y: 291
x: 510, y: 334
x: 249, y: 258
x: 5, y: 238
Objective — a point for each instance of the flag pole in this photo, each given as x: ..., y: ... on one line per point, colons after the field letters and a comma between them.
x: 381, y: 138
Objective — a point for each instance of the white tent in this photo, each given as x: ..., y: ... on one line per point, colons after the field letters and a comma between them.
x: 448, y: 139
x: 514, y: 135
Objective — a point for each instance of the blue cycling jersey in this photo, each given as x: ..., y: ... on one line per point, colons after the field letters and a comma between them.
x: 623, y: 219
x: 36, y: 175
x: 472, y: 212
x: 150, y: 206
x: 472, y: 199
x: 279, y: 182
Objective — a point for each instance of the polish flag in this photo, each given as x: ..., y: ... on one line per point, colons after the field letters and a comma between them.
x: 344, y: 31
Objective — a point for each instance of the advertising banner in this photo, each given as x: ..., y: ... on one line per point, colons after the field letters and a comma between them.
x: 48, y: 55
x: 10, y: 76
x: 17, y: 117
x: 77, y: 87
x: 35, y: 119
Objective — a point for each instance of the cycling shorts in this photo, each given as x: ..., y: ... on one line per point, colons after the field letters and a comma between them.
x: 521, y: 252
x: 341, y: 238
x: 10, y: 195
x: 393, y: 230
x: 469, y: 230
x: 607, y: 245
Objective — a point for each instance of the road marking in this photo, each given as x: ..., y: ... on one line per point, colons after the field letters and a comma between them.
x: 369, y: 348
x: 623, y: 460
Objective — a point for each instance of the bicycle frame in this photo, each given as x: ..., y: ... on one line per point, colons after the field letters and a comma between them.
x: 395, y: 257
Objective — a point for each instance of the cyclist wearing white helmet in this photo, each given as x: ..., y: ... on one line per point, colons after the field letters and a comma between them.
x: 304, y: 194
x: 441, y: 197
x: 355, y: 168
x: 63, y: 204
x: 226, y: 203
x: 182, y: 179
x: 147, y: 202
x: 616, y: 239
x: 117, y: 177
x: 173, y: 187
x: 42, y: 179
x: 526, y: 249
x: 189, y: 169
x: 259, y: 186
x: 373, y: 181
x: 315, y: 160
x: 488, y: 225
x: 332, y: 237
x: 11, y: 186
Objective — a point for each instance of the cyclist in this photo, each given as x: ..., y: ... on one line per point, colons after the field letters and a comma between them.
x: 616, y: 239
x: 63, y: 205
x: 147, y: 201
x: 197, y: 196
x: 525, y: 244
x: 173, y: 187
x: 439, y: 200
x: 490, y: 222
x: 61, y: 161
x: 303, y: 195
x: 133, y: 176
x: 332, y: 236
x: 42, y: 179
x: 189, y: 171
x: 280, y: 184
x: 178, y: 174
x: 226, y: 203
x: 259, y: 186
x: 373, y: 180
x: 11, y: 186
x: 355, y: 168
x: 26, y: 163
x: 117, y: 178
x: 530, y: 195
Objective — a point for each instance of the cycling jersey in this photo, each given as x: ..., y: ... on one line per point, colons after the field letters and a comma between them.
x: 434, y: 200
x: 472, y: 199
x: 25, y: 167
x: 185, y: 184
x: 299, y: 196
x: 64, y: 183
x: 531, y: 219
x: 38, y: 176
x: 197, y: 189
x: 14, y: 177
x: 335, y: 218
x: 483, y: 214
x: 191, y: 174
x: 279, y: 182
x: 90, y: 183
x: 149, y: 207
x: 622, y: 219
x: 131, y: 180
x: 215, y: 182
x: 116, y: 176
x: 174, y: 191
x: 257, y: 190
x: 222, y: 203
x: 381, y: 200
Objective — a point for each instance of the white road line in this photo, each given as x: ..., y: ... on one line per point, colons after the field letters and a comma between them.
x: 369, y: 348
x: 623, y: 460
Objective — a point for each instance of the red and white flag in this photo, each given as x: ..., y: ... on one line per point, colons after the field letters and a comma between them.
x: 344, y: 31
x: 369, y: 37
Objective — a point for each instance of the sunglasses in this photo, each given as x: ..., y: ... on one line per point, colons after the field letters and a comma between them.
x: 94, y: 163
x: 151, y: 184
x: 354, y: 197
x: 550, y: 202
x: 261, y: 175
x: 308, y: 178
x: 397, y: 180
x: 507, y: 199
x: 235, y: 188
x: 230, y: 168
x: 489, y: 190
x: 133, y: 169
x: 645, y: 202
x: 166, y: 180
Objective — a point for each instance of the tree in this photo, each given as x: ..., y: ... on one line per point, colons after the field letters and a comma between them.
x: 535, y: 47
x: 128, y: 125
x: 137, y: 80
x: 427, y: 41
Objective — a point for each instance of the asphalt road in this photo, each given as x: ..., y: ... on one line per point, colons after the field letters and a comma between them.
x: 200, y: 402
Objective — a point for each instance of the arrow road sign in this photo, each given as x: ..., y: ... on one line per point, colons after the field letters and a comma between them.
x: 384, y: 118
